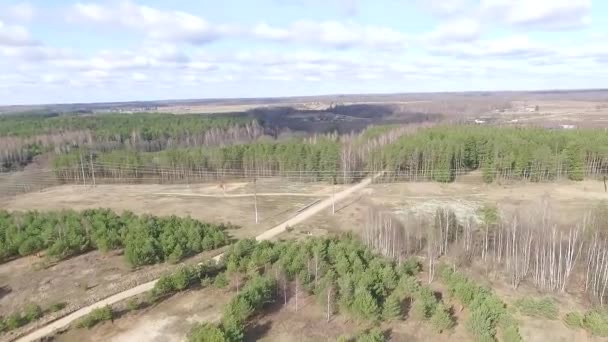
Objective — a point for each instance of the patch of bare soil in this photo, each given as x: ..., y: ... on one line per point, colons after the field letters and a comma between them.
x: 169, y: 320
x: 570, y: 200
x: 75, y: 281
x: 309, y: 323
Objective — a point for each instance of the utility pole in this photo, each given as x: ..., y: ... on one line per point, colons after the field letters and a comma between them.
x: 92, y: 168
x: 255, y: 199
x: 333, y: 196
x: 84, y: 181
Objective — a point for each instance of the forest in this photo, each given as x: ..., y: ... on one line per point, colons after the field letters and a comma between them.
x: 24, y: 137
x: 439, y: 153
x: 527, y: 246
x: 145, y: 239
x: 346, y: 278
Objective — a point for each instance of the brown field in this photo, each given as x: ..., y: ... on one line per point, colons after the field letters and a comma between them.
x: 169, y: 320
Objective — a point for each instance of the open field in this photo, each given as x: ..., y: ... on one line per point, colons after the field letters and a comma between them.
x: 205, y: 202
x: 554, y: 113
x: 570, y: 199
x: 169, y: 320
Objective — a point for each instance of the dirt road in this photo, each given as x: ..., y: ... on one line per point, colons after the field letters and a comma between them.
x: 269, y: 234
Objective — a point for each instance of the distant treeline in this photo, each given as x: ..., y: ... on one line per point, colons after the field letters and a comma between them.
x: 437, y: 153
x: 23, y: 137
x: 145, y: 239
x: 117, y: 126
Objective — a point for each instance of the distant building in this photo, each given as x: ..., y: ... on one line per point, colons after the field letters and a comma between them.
x: 477, y: 121
x: 568, y: 126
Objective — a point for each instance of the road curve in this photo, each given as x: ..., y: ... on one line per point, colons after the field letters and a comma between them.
x: 139, y: 289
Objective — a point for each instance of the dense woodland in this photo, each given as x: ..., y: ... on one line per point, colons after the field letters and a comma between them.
x: 438, y: 153
x: 24, y: 137
x: 345, y: 277
x: 145, y: 239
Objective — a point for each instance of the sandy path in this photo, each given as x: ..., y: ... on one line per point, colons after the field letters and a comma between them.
x: 269, y: 234
x: 290, y: 194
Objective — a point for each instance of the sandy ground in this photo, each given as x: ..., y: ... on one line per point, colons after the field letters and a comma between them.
x: 170, y: 320
x: 569, y: 200
x: 203, y: 201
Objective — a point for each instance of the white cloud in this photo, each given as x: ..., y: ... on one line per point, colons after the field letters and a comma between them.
x: 162, y: 25
x: 178, y: 26
x: 19, y: 12
x: 445, y: 7
x: 518, y: 46
x: 544, y: 14
x: 458, y: 30
x: 332, y: 33
x: 15, y: 35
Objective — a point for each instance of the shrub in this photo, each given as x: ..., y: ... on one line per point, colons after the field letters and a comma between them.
x: 425, y: 304
x: 14, y: 321
x: 372, y: 335
x: 392, y: 307
x: 441, y: 320
x: 543, y: 308
x: 596, y: 322
x: 574, y: 320
x: 181, y: 278
x: 408, y: 286
x: 163, y: 286
x: 133, y: 304
x: 221, y: 281
x: 509, y: 329
x: 343, y: 338
x: 57, y: 306
x: 411, y: 267
x: 32, y: 312
x: 206, y: 332
x: 96, y: 316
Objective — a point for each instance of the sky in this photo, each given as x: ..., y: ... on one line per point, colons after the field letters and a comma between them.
x: 123, y: 50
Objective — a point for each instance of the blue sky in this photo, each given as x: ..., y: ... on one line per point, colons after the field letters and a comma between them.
x: 120, y: 50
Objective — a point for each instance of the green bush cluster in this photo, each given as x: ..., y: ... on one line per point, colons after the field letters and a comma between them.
x: 183, y: 278
x: 31, y: 313
x: 371, y: 335
x: 487, y: 311
x: 595, y: 321
x: 96, y: 316
x: 254, y: 296
x: 146, y: 239
x: 541, y: 307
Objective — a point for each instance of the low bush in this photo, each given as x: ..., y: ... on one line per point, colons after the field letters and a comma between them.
x: 542, y: 307
x: 95, y: 317
x: 574, y: 320
x: 442, y: 320
x: 596, y: 322
x: 372, y: 335
x: 206, y: 332
x: 57, y: 306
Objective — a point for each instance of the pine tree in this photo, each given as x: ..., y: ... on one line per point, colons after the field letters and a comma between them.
x: 392, y: 307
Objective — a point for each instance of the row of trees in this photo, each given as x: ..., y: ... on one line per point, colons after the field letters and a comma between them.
x: 525, y: 245
x: 146, y: 239
x: 412, y: 153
